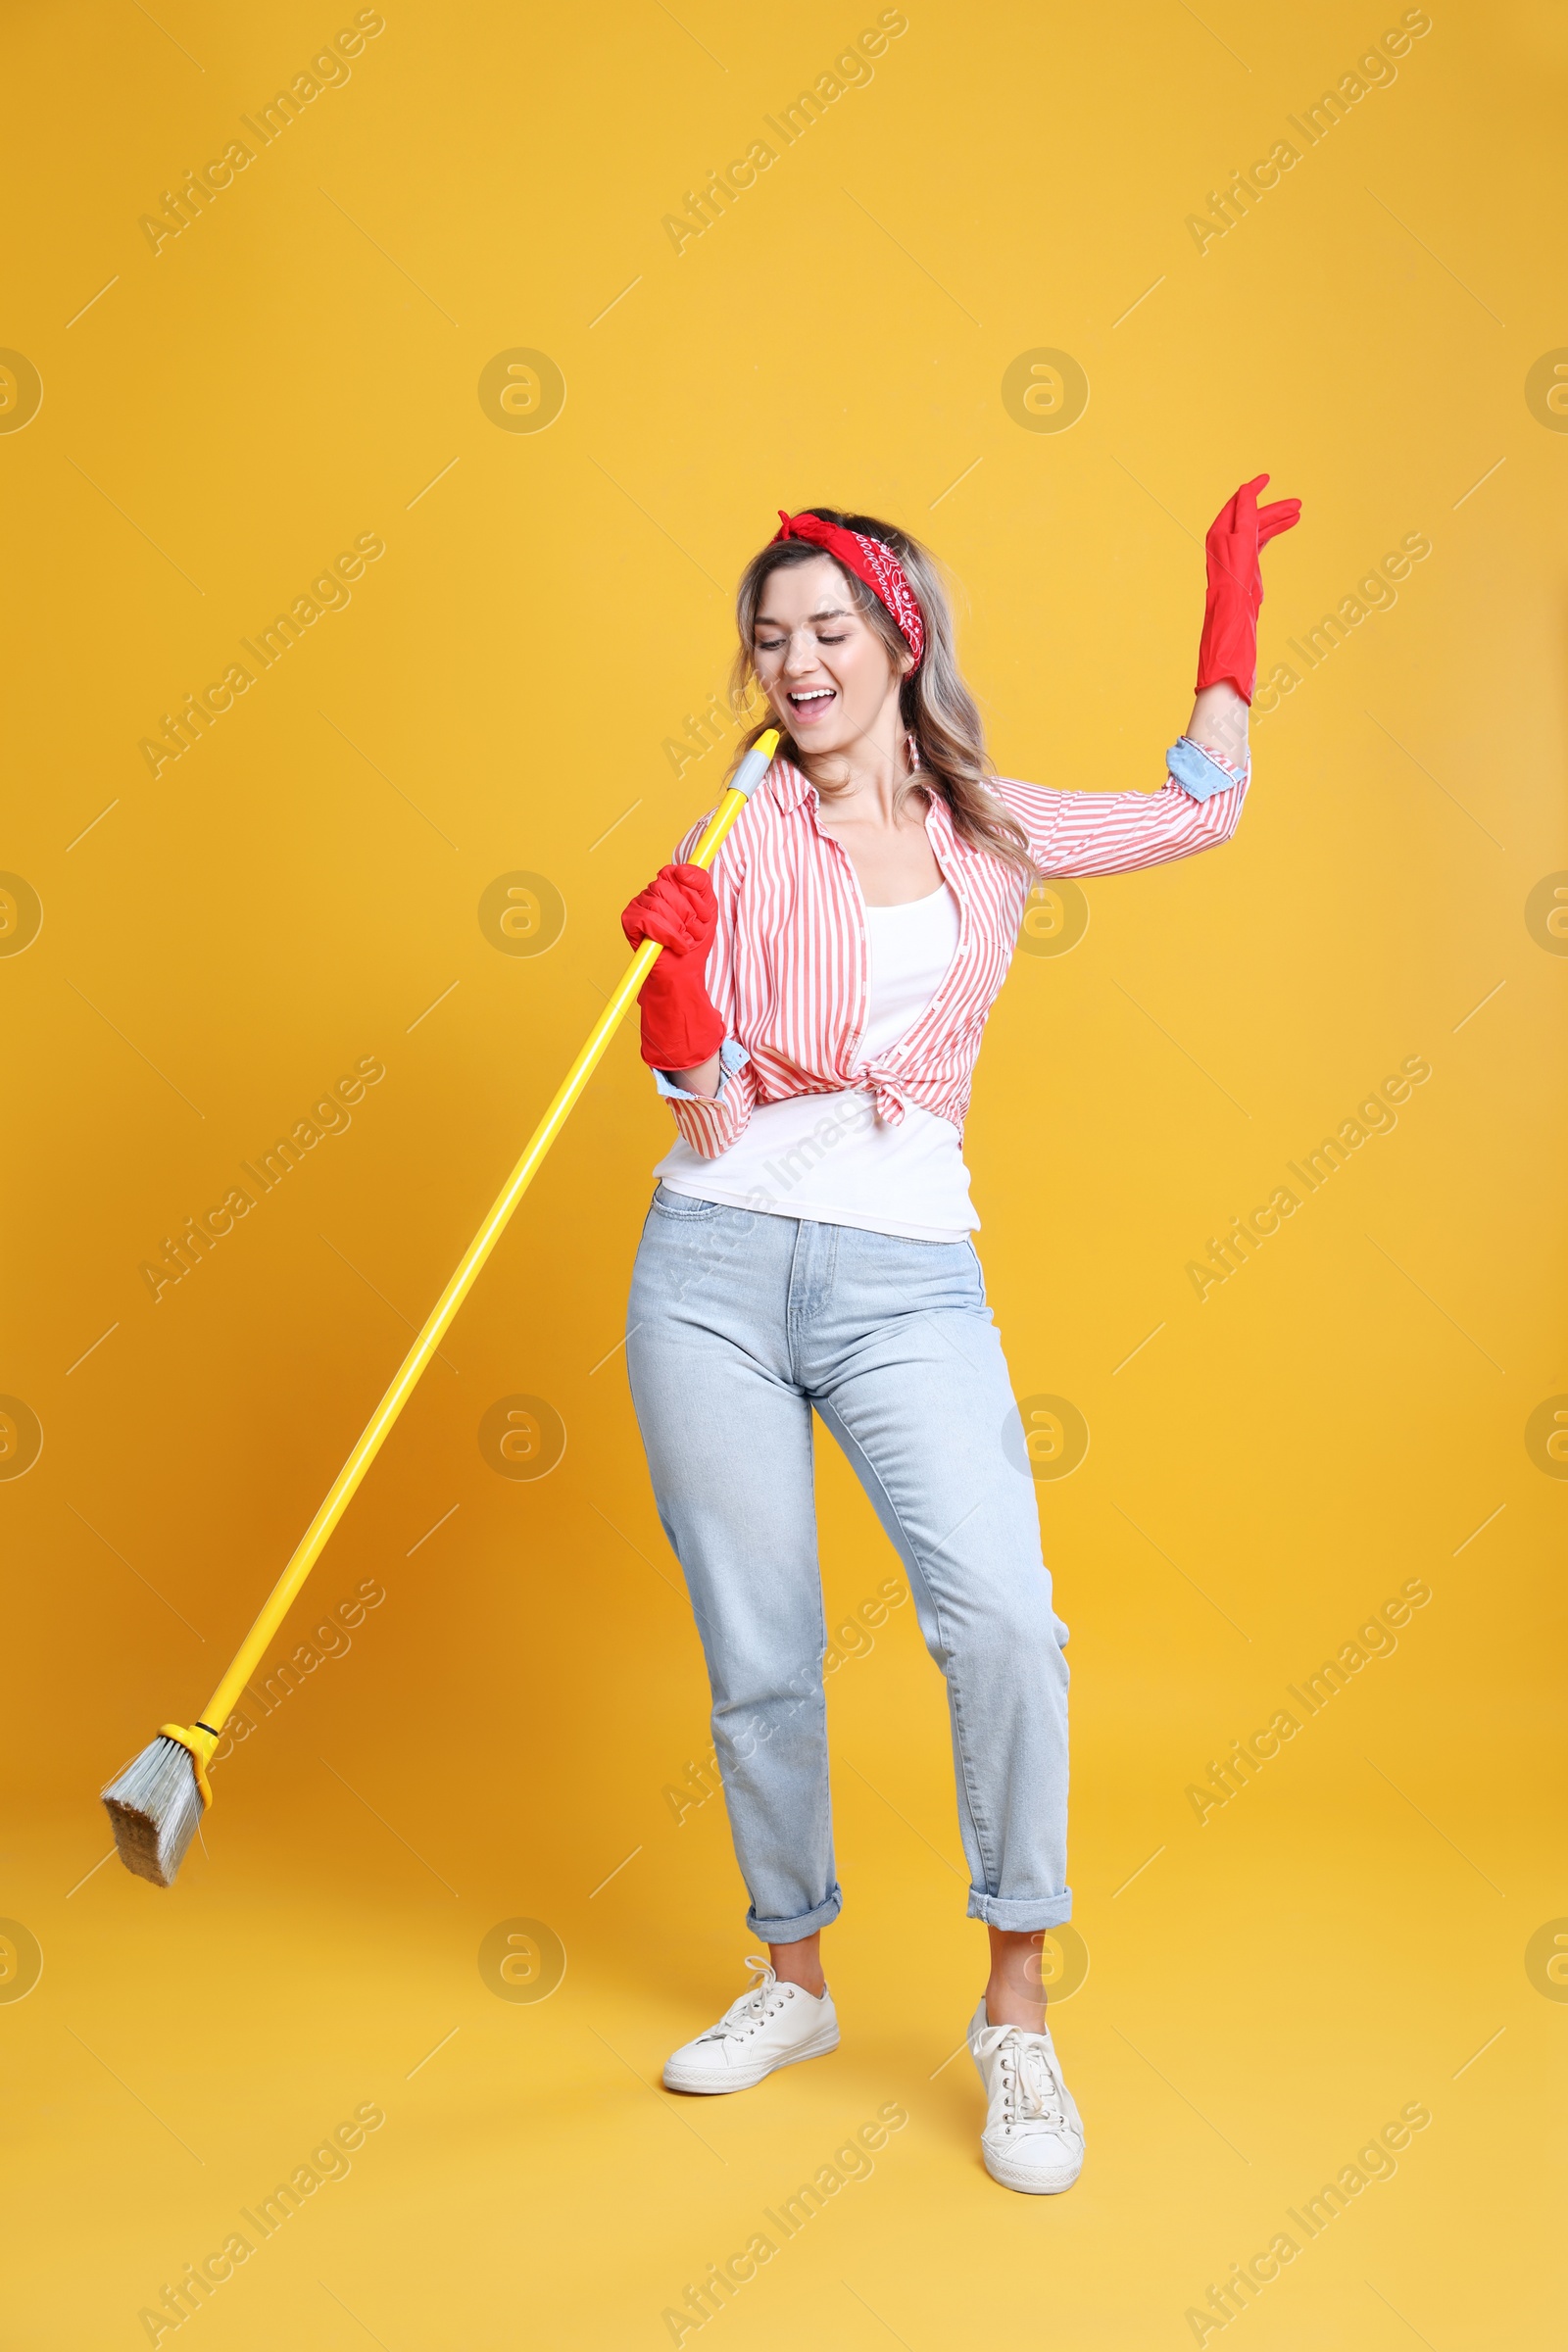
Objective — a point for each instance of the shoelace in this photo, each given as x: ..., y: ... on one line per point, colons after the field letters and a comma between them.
x: 753, y: 2007
x: 1037, y: 2093
x: 1029, y: 2089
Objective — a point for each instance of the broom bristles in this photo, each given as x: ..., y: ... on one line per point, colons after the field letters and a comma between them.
x: 154, y: 1807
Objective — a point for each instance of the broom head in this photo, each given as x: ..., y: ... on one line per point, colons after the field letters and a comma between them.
x: 154, y: 1806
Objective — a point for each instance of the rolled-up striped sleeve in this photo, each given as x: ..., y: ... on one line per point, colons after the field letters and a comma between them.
x: 1199, y: 805
x: 711, y: 1123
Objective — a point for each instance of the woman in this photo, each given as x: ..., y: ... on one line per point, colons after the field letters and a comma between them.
x: 813, y: 1023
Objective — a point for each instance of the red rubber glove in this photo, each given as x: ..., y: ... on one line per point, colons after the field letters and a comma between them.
x: 679, y: 909
x: 1236, y: 536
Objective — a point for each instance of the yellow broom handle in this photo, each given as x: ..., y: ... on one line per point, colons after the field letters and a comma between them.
x: 214, y: 1714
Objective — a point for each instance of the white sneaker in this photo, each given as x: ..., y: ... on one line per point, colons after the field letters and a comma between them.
x: 772, y: 2025
x: 1034, y: 2138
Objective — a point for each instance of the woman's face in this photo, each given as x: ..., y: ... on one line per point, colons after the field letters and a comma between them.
x: 825, y: 673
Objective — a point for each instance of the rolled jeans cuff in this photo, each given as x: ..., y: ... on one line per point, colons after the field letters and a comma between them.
x: 1020, y: 1917
x: 793, y: 1931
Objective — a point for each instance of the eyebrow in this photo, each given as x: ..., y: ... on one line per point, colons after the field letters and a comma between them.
x: 823, y: 613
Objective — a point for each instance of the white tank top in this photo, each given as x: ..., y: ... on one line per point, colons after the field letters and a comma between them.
x: 827, y: 1156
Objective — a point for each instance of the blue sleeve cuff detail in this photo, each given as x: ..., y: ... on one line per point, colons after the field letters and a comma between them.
x: 731, y: 1057
x: 1199, y: 776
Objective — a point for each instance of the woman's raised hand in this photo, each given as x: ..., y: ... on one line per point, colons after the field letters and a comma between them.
x: 1236, y: 536
x: 679, y: 909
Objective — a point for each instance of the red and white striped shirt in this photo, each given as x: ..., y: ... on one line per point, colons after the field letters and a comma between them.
x: 790, y: 968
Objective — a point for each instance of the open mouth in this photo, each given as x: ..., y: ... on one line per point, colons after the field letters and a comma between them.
x: 812, y: 704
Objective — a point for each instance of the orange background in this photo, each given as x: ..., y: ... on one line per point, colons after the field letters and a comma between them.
x: 301, y: 890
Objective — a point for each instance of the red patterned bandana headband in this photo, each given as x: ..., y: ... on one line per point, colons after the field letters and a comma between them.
x: 871, y: 560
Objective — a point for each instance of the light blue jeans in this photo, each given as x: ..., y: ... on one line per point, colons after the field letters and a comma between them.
x: 739, y: 1325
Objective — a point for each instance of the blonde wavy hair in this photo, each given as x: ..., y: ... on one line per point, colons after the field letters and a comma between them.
x: 936, y: 707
